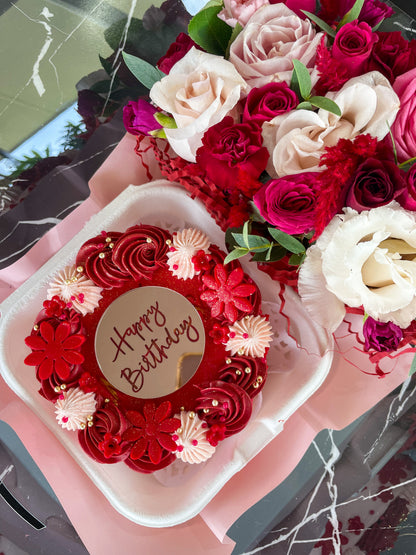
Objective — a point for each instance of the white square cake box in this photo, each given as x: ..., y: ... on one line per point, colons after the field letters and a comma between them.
x: 298, y: 365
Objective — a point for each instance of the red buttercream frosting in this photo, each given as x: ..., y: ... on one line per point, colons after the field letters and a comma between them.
x: 227, y: 404
x: 141, y: 250
x: 246, y: 372
x: 102, y: 440
x: 96, y: 258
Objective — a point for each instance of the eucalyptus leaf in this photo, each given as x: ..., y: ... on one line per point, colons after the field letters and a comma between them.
x: 321, y: 23
x: 209, y: 31
x: 294, y: 84
x: 306, y: 105
x: 165, y: 121
x: 286, y: 240
x: 413, y: 367
x: 352, y: 14
x: 142, y: 70
x: 236, y: 253
x: 245, y: 233
x: 326, y: 104
x: 304, y: 79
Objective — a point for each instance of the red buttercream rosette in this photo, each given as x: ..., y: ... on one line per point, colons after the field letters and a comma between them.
x: 102, y: 441
x: 96, y: 258
x: 246, y: 372
x: 141, y: 250
x: 49, y: 387
x: 225, y: 404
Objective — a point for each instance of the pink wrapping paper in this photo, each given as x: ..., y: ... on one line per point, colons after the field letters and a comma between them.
x: 346, y: 394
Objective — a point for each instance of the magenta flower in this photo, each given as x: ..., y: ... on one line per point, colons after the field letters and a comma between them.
x: 54, y: 350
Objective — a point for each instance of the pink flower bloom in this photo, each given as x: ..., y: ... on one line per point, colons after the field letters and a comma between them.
x: 240, y: 11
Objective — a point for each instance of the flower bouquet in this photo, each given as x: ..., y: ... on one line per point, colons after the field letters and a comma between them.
x: 295, y: 124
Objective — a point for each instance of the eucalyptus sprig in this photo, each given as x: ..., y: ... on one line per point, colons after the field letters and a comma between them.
x: 270, y: 248
x: 301, y: 83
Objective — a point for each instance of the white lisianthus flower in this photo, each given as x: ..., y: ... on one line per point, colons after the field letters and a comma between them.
x: 366, y: 259
x: 296, y: 140
x: 200, y: 90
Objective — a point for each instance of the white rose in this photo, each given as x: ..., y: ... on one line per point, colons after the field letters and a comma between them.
x: 200, y: 90
x: 296, y: 140
x: 363, y: 259
x: 273, y: 37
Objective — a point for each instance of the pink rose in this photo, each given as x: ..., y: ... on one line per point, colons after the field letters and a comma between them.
x: 404, y: 126
x: 240, y: 11
x: 289, y: 203
x: 273, y: 37
x: 353, y: 45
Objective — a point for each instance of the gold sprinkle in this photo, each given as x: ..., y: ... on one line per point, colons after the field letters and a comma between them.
x: 101, y: 255
x: 214, y: 403
x: 36, y: 327
x: 111, y: 245
x: 238, y: 372
x: 179, y: 431
x: 259, y: 379
x: 255, y: 385
x: 63, y: 386
x: 228, y: 360
x: 106, y: 400
x: 206, y: 411
x: 90, y: 424
x: 80, y: 269
x: 67, y: 281
x: 57, y: 389
x: 247, y: 317
x: 74, y: 279
x: 90, y: 418
x: 247, y: 370
x: 240, y: 352
x: 148, y: 240
x: 82, y: 426
x: 191, y: 414
x: 168, y: 242
x: 182, y: 408
x: 108, y: 239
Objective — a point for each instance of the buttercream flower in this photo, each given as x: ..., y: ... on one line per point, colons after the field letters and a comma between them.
x: 75, y: 289
x: 54, y: 350
x: 404, y: 126
x: 296, y: 140
x: 367, y: 260
x: 191, y: 439
x: 151, y: 431
x: 186, y: 244
x: 239, y: 11
x: 250, y: 336
x: 375, y: 183
x: 273, y: 37
x: 73, y: 408
x: 289, y: 202
x: 353, y: 45
x: 227, y: 293
x: 229, y: 148
x: 200, y: 90
x: 139, y: 117
x: 265, y: 103
x: 381, y: 336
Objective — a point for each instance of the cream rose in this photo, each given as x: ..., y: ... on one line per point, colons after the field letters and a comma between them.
x: 200, y: 90
x: 273, y: 37
x: 296, y: 140
x: 363, y: 259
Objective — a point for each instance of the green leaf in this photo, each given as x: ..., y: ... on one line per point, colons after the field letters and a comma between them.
x: 393, y: 143
x: 306, y: 105
x: 304, y: 79
x: 286, y: 240
x: 256, y: 216
x: 352, y: 14
x: 377, y: 27
x: 209, y: 31
x: 271, y: 255
x: 245, y: 233
x: 158, y: 133
x: 238, y: 252
x: 321, y: 23
x: 326, y: 104
x: 294, y: 84
x: 413, y: 367
x: 107, y: 66
x: 297, y: 259
x: 143, y: 71
x: 165, y: 121
x: 409, y: 162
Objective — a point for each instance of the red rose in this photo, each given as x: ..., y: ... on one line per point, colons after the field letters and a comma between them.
x: 229, y: 148
x: 271, y: 100
x: 393, y: 55
x: 353, y: 45
x: 176, y: 52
